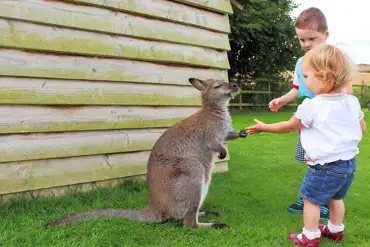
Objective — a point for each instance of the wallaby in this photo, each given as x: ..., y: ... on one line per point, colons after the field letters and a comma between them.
x: 180, y: 165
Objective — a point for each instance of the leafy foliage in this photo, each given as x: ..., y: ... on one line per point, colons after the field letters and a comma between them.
x: 263, y: 40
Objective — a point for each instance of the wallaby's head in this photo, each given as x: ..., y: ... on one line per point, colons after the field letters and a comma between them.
x: 215, y: 93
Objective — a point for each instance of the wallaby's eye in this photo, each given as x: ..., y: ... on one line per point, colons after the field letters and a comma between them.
x: 218, y: 86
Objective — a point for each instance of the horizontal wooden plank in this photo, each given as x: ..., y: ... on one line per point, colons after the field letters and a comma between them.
x: 74, y: 188
x: 222, y: 6
x: 59, y: 92
x: 25, y: 119
x: 17, y: 147
x: 167, y: 10
x: 62, y: 14
x: 41, y: 174
x: 71, y: 144
x: 28, y: 64
x: 219, y: 167
x: 22, y: 35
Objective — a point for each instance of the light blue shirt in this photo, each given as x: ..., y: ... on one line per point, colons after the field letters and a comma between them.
x: 303, y: 91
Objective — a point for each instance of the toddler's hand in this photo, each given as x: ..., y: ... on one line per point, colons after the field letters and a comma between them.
x: 258, y: 127
x: 275, y: 104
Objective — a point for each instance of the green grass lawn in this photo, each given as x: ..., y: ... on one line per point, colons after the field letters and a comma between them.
x: 252, y: 197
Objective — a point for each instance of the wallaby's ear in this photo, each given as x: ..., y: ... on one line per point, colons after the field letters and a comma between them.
x: 198, y: 84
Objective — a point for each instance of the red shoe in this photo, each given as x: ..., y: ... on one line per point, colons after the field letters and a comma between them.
x: 293, y: 237
x: 337, y: 237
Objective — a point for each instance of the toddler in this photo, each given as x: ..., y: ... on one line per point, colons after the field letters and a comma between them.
x: 331, y: 126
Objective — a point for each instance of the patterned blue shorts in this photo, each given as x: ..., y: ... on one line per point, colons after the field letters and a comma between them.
x: 330, y: 181
x: 299, y: 152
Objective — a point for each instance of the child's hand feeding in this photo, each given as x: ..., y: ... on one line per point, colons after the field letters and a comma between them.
x: 258, y: 127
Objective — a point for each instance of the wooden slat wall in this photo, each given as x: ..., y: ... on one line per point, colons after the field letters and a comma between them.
x: 104, y: 20
x: 222, y: 6
x: 34, y: 37
x: 168, y: 10
x: 87, y: 86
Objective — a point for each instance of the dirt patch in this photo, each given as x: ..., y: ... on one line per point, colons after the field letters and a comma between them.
x: 361, y: 77
x: 364, y: 68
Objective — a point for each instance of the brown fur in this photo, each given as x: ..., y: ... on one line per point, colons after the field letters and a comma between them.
x: 181, y: 161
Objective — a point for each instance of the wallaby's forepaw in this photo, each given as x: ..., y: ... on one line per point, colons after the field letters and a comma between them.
x: 222, y: 154
x: 243, y: 134
x: 220, y: 225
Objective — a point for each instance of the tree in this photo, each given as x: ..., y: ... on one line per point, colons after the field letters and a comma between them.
x: 263, y: 40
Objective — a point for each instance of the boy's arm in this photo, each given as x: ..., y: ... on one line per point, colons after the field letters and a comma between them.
x: 289, y: 96
x: 293, y: 93
x: 277, y: 103
x: 303, y: 117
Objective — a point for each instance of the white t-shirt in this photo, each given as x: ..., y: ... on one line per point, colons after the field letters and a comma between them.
x: 332, y: 128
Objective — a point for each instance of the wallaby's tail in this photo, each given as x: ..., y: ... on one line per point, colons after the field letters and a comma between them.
x: 139, y: 215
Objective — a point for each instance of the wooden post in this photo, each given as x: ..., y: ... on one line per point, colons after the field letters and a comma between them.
x: 269, y: 94
x: 366, y: 87
x: 363, y: 94
x: 241, y: 101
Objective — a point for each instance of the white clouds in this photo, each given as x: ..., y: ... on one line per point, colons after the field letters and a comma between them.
x: 349, y: 24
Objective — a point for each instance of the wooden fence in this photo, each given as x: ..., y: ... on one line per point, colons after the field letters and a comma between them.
x: 362, y: 91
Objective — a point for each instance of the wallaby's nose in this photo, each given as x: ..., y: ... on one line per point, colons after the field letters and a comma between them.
x: 234, y: 86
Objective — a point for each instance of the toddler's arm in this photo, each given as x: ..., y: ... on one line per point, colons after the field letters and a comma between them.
x: 363, y: 126
x: 281, y: 127
x: 289, y: 96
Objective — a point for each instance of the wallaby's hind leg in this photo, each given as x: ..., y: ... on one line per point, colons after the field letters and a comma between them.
x: 207, y: 213
x: 191, y: 221
x: 202, y: 213
x: 189, y: 198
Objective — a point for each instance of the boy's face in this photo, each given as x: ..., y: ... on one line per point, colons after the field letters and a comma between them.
x: 308, y: 37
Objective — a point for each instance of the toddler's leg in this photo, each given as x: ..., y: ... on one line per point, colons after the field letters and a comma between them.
x: 311, y: 216
x: 314, y: 197
x: 297, y: 206
x: 311, y: 233
x: 334, y: 229
x: 337, y: 211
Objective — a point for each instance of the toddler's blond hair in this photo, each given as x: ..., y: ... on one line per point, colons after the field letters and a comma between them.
x: 330, y: 65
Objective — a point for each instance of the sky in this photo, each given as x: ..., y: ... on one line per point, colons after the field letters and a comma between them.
x: 349, y: 25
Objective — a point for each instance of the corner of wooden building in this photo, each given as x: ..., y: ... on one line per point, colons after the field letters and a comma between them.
x: 88, y: 87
